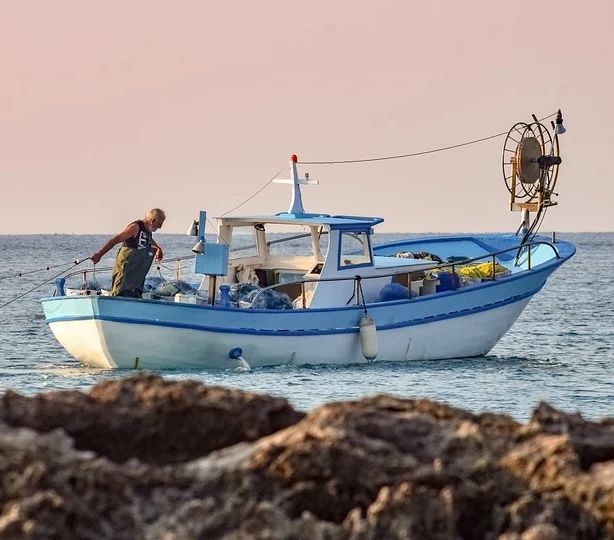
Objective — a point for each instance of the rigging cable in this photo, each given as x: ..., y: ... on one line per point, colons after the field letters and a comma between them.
x: 76, y: 263
x: 413, y: 154
x: 224, y: 240
x: 365, y: 160
x: 257, y: 192
x: 46, y: 268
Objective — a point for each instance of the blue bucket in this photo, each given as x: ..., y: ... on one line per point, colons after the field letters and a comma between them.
x: 447, y: 281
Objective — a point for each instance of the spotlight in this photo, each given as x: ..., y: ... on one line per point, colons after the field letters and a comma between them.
x: 560, y: 128
x: 193, y: 230
x: 199, y: 247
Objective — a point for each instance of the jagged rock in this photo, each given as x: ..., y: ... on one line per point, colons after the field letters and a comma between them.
x: 379, y: 467
x: 593, y: 442
x: 152, y: 419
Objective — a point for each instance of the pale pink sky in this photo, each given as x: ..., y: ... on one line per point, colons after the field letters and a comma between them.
x: 110, y: 108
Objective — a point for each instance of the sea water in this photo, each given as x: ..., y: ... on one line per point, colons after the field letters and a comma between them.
x: 560, y: 350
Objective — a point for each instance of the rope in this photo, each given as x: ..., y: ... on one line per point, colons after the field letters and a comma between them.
x: 257, y: 192
x: 170, y: 269
x: 531, y: 232
x: 358, y: 294
x: 175, y: 259
x: 77, y: 262
x: 46, y: 268
x: 414, y: 154
x: 365, y: 160
x: 361, y: 294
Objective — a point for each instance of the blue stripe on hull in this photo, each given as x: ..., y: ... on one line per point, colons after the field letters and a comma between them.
x: 309, y: 322
x: 298, y: 332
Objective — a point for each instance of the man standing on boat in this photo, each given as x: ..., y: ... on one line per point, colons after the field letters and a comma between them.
x: 136, y: 254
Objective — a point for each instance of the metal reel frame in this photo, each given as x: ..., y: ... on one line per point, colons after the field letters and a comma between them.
x: 522, y: 192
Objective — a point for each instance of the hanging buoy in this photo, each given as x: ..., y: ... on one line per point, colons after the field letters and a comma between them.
x: 368, y: 337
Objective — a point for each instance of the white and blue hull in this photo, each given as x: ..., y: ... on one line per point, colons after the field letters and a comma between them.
x: 112, y: 332
x: 112, y: 344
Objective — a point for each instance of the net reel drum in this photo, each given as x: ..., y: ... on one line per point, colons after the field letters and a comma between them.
x: 530, y: 168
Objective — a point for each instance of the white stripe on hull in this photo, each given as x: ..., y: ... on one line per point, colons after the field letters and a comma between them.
x: 109, y: 344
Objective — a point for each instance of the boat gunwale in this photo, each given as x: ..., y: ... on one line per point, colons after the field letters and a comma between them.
x: 543, y: 267
x: 305, y: 332
x: 537, y: 269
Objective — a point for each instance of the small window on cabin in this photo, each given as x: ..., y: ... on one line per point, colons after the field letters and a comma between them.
x: 243, y: 243
x: 354, y: 249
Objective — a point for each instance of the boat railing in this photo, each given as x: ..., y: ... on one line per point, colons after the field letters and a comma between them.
x: 102, y: 270
x: 359, y: 297
x: 85, y: 271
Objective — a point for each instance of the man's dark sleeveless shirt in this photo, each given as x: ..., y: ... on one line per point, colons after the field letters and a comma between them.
x: 142, y: 240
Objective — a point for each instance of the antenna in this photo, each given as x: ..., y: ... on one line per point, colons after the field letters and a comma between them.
x: 296, y: 204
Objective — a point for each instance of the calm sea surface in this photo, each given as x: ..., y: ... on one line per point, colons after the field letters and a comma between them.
x: 561, y: 350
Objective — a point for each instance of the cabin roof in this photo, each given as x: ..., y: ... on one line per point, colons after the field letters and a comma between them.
x: 353, y: 223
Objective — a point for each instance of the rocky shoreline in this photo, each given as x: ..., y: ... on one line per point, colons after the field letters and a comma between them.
x: 145, y: 457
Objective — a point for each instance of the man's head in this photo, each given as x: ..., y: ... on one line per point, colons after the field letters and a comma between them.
x: 154, y: 219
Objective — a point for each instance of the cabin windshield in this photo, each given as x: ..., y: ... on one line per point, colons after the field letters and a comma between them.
x: 283, y: 240
x: 243, y: 242
x: 354, y: 249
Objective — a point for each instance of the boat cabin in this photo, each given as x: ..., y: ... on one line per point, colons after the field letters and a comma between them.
x: 313, y: 258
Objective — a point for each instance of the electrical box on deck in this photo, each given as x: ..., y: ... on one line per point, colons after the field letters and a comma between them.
x: 214, y: 261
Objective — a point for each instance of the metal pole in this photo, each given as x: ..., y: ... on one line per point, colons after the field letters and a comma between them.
x: 212, y: 289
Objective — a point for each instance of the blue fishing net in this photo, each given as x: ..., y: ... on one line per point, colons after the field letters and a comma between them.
x: 269, y: 299
x: 393, y: 291
x: 172, y: 287
x: 152, y: 282
x: 239, y: 291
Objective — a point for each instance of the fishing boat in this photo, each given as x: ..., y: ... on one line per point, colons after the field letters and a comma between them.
x: 335, y: 298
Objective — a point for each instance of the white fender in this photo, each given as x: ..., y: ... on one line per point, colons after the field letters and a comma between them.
x: 368, y: 337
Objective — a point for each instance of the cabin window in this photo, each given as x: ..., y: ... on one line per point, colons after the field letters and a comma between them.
x: 283, y: 240
x: 243, y: 243
x: 354, y: 249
